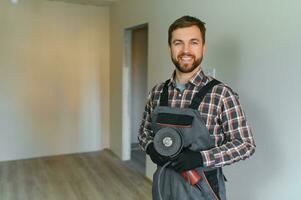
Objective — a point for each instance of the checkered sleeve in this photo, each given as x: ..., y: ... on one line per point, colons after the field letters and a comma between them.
x: 145, y: 130
x: 238, y: 140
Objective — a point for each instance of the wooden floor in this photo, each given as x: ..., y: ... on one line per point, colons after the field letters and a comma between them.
x: 138, y: 159
x: 89, y: 176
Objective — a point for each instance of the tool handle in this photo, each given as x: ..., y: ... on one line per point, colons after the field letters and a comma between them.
x: 192, y: 176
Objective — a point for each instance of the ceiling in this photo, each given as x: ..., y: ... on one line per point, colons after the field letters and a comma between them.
x: 90, y: 2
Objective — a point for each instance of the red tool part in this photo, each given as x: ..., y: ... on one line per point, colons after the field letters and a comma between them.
x: 191, y: 176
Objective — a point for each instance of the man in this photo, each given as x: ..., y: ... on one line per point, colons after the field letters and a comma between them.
x: 221, y: 134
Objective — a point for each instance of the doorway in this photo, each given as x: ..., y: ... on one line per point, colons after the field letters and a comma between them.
x: 134, y: 93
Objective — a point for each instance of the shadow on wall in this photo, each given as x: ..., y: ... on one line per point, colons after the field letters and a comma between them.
x: 266, y: 165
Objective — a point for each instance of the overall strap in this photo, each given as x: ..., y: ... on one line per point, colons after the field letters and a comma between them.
x: 198, y: 97
x: 164, y: 94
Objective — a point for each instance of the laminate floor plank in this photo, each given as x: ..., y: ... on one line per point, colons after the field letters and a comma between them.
x: 87, y: 176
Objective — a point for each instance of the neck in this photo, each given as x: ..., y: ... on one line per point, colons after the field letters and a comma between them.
x: 184, y: 77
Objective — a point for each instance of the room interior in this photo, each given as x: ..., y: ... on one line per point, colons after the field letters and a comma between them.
x: 65, y: 83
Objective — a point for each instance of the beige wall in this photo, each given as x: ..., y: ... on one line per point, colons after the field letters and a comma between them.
x: 54, y: 78
x: 255, y: 47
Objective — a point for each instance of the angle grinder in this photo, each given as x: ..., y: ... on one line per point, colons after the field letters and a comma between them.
x: 169, y: 142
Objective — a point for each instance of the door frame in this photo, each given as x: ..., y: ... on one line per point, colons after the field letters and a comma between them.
x: 126, y: 90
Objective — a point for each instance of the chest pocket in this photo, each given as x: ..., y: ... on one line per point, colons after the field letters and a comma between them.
x: 174, y: 120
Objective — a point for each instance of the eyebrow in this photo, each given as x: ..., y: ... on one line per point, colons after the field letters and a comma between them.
x: 193, y: 39
x: 177, y: 40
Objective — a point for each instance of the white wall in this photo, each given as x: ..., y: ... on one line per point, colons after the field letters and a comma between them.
x: 255, y: 47
x: 54, y: 76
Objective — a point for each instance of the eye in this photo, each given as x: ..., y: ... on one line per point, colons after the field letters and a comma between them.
x: 195, y: 42
x: 176, y: 43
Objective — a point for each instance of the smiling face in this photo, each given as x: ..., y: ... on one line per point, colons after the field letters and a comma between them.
x: 187, y: 48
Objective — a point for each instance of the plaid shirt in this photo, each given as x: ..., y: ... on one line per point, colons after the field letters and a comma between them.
x: 221, y: 112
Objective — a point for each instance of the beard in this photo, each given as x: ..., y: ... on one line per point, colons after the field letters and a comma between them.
x: 186, y: 68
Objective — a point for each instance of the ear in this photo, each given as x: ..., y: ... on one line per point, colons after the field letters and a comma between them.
x: 169, y: 50
x: 204, y: 49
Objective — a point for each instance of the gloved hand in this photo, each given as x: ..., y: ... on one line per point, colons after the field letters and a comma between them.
x: 187, y: 160
x: 155, y: 156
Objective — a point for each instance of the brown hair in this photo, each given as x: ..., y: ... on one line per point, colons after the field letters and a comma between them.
x: 186, y: 21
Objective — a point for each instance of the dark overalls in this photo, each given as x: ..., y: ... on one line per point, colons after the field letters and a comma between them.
x: 196, y: 135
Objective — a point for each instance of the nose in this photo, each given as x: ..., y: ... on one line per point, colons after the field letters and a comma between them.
x: 186, y: 48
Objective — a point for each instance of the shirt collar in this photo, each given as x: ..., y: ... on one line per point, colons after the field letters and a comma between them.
x: 198, y: 79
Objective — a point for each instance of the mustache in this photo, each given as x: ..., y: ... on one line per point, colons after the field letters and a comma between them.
x: 185, y: 54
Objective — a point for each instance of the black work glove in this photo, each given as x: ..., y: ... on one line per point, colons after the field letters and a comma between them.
x: 187, y: 160
x: 155, y: 156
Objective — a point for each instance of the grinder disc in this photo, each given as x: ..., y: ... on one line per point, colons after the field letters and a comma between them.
x: 168, y: 142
